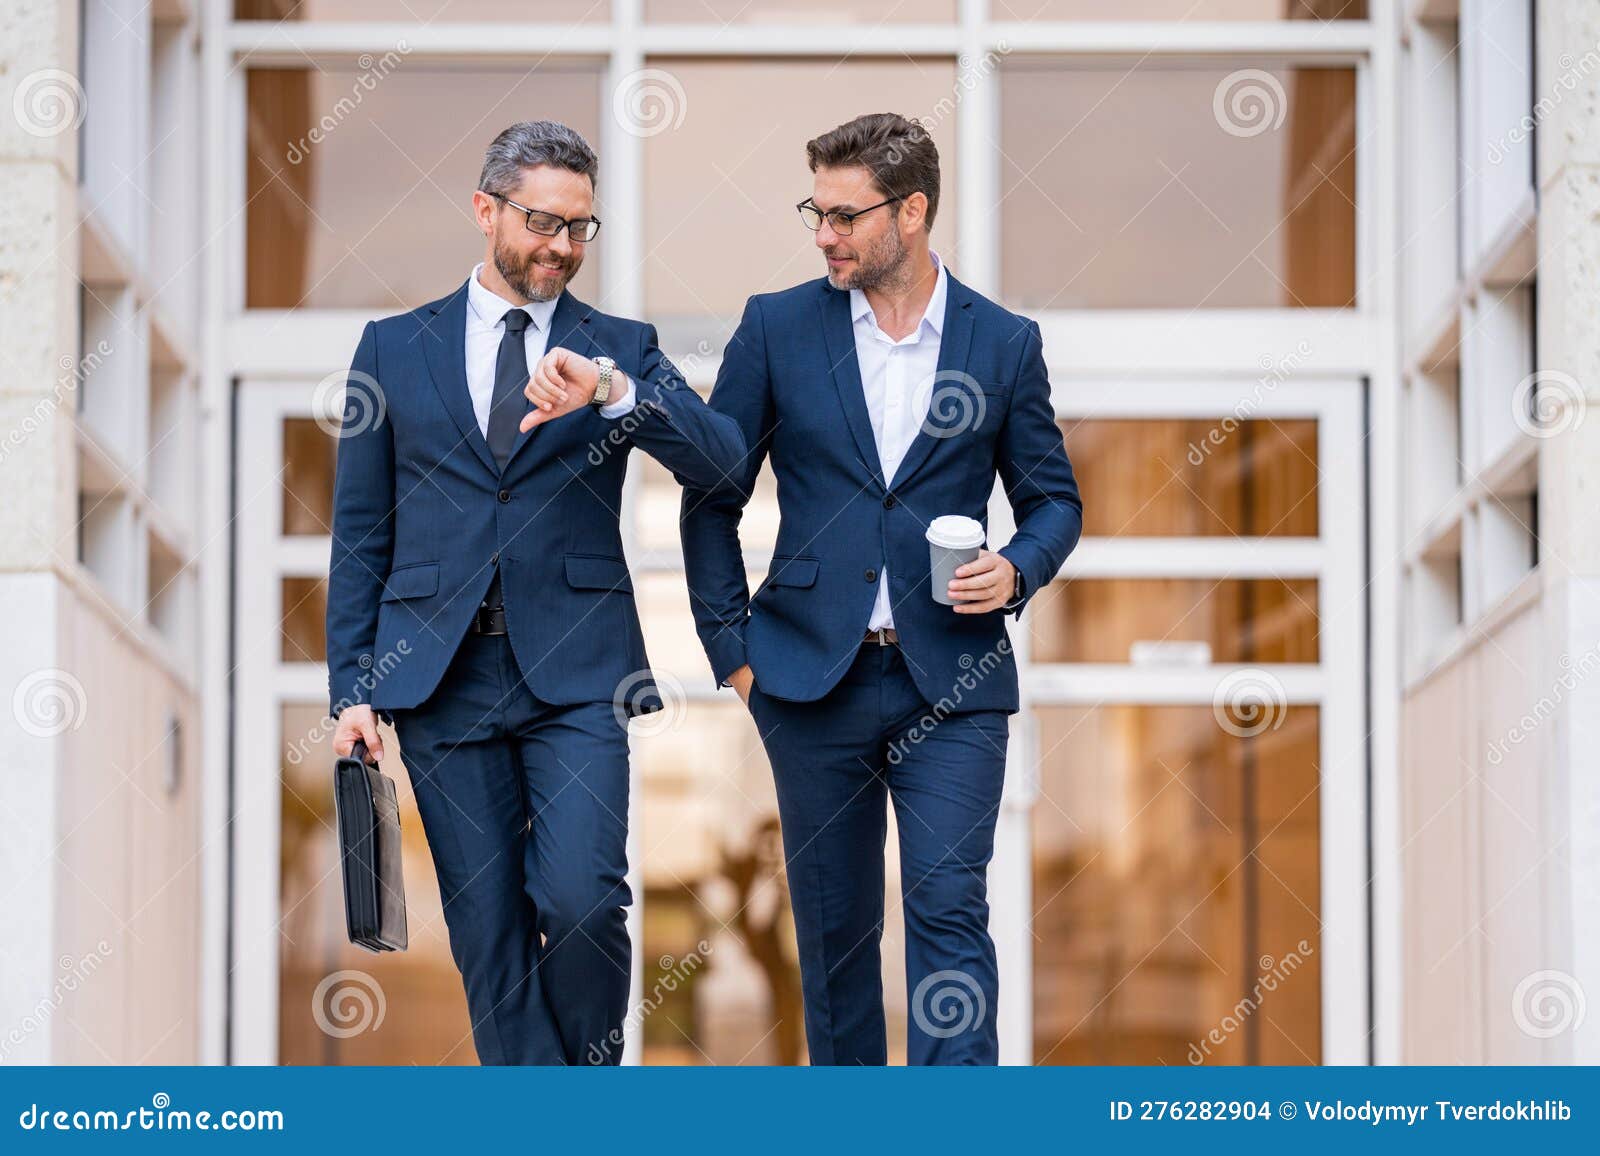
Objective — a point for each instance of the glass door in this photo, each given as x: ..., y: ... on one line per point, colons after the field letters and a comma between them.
x: 1193, y: 786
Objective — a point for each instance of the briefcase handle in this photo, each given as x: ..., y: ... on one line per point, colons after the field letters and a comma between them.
x: 359, y: 751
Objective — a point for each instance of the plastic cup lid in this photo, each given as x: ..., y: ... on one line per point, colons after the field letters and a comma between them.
x: 955, y: 532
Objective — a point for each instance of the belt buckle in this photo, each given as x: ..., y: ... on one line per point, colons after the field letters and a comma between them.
x: 880, y: 635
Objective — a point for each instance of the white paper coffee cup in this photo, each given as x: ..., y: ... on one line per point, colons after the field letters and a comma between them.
x: 953, y: 541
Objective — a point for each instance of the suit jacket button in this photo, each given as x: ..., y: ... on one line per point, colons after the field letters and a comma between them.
x: 504, y: 495
x: 871, y: 575
x: 494, y: 559
x: 888, y: 503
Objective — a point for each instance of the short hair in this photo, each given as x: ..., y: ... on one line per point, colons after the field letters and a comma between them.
x: 897, y: 151
x: 532, y: 143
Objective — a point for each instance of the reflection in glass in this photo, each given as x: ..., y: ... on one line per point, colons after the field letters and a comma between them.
x: 1177, y: 888
x: 309, y: 455
x: 1171, y: 186
x: 395, y: 1008
x: 409, y: 138
x: 1180, y: 478
x: 1238, y: 620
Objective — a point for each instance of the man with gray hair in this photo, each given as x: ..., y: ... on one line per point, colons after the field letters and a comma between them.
x: 476, y: 535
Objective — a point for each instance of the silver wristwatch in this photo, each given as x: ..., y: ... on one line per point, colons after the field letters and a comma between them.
x: 602, y: 392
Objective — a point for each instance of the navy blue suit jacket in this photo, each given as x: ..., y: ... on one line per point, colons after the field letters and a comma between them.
x: 422, y: 515
x: 790, y: 379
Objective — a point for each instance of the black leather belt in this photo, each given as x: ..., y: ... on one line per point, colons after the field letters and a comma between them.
x: 488, y: 620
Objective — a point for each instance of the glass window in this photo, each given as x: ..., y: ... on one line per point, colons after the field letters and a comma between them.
x: 360, y: 181
x: 1167, y: 186
x: 1179, y: 10
x: 1187, y: 478
x: 825, y: 13
x: 720, y: 223
x: 420, y: 11
x: 1237, y: 620
x: 338, y: 1004
x: 309, y: 455
x: 1177, y: 888
x: 305, y: 609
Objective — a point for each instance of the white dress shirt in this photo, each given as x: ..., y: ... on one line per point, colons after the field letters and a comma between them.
x: 486, y: 311
x: 897, y: 378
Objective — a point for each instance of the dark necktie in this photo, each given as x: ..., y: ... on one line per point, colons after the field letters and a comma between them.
x: 507, y: 406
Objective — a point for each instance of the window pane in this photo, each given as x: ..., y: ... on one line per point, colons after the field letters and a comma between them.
x: 1177, y: 187
x: 720, y: 222
x: 399, y: 1007
x: 421, y: 11
x: 1177, y: 888
x: 360, y: 182
x: 1238, y: 620
x: 305, y: 608
x: 1180, y: 10
x: 1177, y: 478
x: 826, y: 13
x: 308, y: 460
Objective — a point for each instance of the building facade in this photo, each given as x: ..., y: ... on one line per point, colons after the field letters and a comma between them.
x: 1301, y: 773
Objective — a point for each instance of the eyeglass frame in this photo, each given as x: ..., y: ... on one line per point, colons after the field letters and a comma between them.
x: 563, y: 223
x: 848, y: 217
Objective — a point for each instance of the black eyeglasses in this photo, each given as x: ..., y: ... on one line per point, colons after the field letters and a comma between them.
x: 550, y: 225
x: 840, y: 221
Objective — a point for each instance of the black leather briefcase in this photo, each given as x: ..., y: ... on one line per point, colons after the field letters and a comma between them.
x: 369, y: 853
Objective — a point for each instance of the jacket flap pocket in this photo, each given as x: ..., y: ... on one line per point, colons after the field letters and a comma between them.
x: 796, y: 571
x: 598, y: 572
x: 418, y: 581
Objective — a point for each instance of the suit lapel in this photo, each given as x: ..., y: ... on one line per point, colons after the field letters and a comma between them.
x: 952, y: 393
x: 569, y: 328
x: 444, y: 344
x: 839, y: 336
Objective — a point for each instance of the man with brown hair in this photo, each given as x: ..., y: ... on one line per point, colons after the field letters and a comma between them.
x: 868, y: 685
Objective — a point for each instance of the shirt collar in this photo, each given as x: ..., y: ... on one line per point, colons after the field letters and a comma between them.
x: 489, y: 307
x: 933, y: 315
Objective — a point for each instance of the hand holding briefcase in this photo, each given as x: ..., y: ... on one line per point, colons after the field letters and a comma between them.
x: 369, y: 853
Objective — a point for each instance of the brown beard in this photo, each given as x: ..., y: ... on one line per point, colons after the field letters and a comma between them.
x: 882, y: 265
x: 519, y: 274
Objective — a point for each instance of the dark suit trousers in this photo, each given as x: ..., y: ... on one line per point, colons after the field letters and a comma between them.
x: 837, y: 763
x: 525, y: 807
